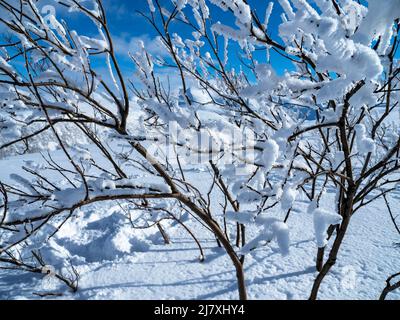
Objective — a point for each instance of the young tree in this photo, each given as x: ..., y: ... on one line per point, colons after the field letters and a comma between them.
x: 344, y: 78
x: 48, y: 78
x: 266, y: 138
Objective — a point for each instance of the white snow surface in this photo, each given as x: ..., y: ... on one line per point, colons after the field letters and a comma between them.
x: 116, y: 262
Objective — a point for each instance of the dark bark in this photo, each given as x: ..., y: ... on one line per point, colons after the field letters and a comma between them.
x: 389, y: 287
x: 164, y: 234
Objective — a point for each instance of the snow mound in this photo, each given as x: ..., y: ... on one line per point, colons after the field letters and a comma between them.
x: 105, y: 239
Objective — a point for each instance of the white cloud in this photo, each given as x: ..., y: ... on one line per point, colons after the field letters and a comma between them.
x: 116, y: 8
x: 125, y: 44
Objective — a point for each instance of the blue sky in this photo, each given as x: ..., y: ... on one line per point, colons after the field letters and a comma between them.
x: 127, y: 23
x: 128, y: 27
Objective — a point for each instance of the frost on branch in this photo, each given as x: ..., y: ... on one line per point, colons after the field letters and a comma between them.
x: 322, y: 220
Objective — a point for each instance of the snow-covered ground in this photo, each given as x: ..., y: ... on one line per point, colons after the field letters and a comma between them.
x: 116, y: 262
